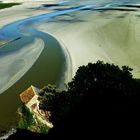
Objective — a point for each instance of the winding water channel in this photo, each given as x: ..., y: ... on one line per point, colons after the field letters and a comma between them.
x: 47, y: 64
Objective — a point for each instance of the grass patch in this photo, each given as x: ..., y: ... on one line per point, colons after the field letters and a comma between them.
x: 44, y: 129
x: 29, y: 122
x: 26, y: 118
x: 7, y: 5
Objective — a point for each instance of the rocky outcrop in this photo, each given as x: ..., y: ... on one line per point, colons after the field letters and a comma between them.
x: 30, y: 116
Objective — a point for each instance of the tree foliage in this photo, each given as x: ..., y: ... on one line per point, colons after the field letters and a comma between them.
x: 53, y: 100
x: 7, y: 5
x: 99, y: 86
x: 26, y: 119
x: 103, y: 79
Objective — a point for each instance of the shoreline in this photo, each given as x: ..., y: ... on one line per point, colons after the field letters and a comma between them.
x: 103, y: 41
x: 24, y: 64
x: 8, y: 134
x: 23, y: 11
x: 69, y: 70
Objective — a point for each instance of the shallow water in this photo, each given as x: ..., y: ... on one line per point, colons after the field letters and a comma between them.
x: 48, y: 68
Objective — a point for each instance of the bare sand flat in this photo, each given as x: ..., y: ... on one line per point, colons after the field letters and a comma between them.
x: 25, y: 10
x: 13, y: 65
x: 111, y: 36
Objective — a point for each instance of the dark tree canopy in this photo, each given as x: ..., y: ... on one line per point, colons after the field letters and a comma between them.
x: 101, y: 101
x: 101, y: 79
x: 55, y: 101
x: 99, y: 87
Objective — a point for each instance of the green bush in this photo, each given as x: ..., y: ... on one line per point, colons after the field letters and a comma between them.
x: 26, y: 119
x: 44, y: 129
x: 7, y: 5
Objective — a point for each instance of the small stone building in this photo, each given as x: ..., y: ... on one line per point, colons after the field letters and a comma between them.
x: 28, y: 94
x: 30, y: 98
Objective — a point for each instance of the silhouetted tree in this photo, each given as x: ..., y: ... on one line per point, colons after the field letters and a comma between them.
x: 55, y: 101
x: 100, y: 101
x: 102, y: 86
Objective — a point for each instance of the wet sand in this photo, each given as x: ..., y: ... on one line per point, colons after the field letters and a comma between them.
x: 111, y: 36
x: 85, y: 35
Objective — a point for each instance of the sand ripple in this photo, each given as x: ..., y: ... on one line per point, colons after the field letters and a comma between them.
x: 15, y: 64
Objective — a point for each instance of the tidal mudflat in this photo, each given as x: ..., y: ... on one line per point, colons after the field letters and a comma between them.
x: 58, y: 37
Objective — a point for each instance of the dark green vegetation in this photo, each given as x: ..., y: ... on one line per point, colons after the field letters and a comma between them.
x: 28, y: 122
x: 7, y: 5
x: 102, y: 100
x: 105, y: 86
x: 26, y: 118
x: 54, y: 100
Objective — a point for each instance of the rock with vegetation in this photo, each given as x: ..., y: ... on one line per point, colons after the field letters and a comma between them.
x: 28, y: 121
